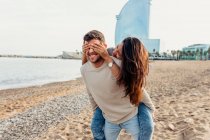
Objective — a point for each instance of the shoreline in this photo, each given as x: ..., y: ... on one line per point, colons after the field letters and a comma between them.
x: 17, y: 100
x: 40, y: 85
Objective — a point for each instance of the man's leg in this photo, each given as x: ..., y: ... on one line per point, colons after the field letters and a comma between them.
x: 97, y: 125
x: 111, y: 130
x: 132, y: 127
x: 145, y: 122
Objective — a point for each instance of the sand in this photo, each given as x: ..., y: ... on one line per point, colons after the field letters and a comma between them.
x: 180, y: 91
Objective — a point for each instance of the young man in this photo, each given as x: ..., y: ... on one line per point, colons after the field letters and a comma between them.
x: 100, y: 78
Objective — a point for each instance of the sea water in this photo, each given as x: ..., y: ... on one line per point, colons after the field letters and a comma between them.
x: 23, y: 72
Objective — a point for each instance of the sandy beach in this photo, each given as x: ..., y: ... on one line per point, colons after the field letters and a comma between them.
x: 180, y: 91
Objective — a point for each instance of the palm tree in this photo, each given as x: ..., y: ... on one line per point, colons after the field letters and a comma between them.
x: 209, y: 52
x: 157, y: 53
x: 197, y: 52
x: 188, y: 54
x: 173, y: 52
x: 153, y: 53
x: 193, y: 55
x: 205, y: 54
x: 184, y: 54
x: 180, y: 54
x: 201, y: 53
x: 164, y: 54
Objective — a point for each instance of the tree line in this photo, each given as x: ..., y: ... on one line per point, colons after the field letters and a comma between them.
x: 199, y: 54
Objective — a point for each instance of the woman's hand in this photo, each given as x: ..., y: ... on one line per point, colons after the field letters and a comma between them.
x: 85, y: 48
x: 102, y: 51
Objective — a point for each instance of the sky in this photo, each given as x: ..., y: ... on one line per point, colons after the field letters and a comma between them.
x: 48, y: 27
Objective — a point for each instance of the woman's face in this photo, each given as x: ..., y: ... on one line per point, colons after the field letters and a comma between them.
x: 118, y: 51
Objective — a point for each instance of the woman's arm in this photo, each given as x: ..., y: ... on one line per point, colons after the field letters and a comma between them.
x: 85, y: 48
x: 102, y: 51
x: 115, y: 69
x: 84, y: 58
x: 92, y: 101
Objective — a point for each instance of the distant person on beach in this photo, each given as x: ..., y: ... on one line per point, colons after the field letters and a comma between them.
x: 116, y: 88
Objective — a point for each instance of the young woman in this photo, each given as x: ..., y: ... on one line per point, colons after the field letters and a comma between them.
x: 131, y: 74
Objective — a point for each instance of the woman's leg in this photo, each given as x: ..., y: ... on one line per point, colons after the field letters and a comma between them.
x: 97, y: 125
x: 132, y: 127
x: 145, y: 122
x: 111, y: 130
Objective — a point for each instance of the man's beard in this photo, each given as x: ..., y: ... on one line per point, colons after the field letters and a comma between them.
x: 99, y: 58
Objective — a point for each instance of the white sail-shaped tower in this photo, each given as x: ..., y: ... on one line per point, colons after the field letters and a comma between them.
x: 133, y: 20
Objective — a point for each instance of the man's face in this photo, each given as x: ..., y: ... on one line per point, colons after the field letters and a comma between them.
x: 93, y: 57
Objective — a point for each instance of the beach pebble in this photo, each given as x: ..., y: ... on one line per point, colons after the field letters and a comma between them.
x: 171, y: 127
x: 38, y: 119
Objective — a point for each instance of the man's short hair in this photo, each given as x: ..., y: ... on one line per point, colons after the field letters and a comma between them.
x: 94, y: 34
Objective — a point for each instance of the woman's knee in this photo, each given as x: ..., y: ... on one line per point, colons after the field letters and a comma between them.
x: 149, y: 127
x: 145, y: 118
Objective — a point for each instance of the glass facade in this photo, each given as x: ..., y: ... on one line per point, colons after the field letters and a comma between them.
x: 196, y: 52
x: 133, y: 20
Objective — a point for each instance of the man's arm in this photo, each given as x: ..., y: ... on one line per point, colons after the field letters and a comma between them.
x: 85, y: 48
x: 92, y: 101
x: 84, y: 58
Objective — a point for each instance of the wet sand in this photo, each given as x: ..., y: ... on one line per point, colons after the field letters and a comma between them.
x: 180, y: 91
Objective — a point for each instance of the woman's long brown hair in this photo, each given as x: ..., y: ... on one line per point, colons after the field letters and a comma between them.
x: 134, y: 69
